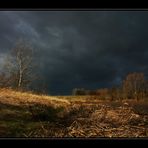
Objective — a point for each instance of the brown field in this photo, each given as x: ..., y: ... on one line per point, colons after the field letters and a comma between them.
x: 24, y: 114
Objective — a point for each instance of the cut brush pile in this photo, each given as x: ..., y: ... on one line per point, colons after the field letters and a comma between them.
x: 108, y: 122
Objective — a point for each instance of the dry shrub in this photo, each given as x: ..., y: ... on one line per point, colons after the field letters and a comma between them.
x: 43, y: 112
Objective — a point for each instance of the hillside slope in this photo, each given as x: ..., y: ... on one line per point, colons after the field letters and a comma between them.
x: 23, y: 114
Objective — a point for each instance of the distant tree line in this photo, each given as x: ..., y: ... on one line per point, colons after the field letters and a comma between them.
x: 19, y: 73
x: 134, y: 86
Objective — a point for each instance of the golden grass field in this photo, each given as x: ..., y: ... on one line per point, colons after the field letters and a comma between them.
x: 24, y: 114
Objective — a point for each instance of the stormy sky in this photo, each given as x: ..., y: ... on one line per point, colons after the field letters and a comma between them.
x: 80, y: 49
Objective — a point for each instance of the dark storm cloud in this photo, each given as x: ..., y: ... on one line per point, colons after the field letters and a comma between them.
x: 89, y: 49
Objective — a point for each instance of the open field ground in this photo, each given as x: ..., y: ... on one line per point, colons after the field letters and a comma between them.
x: 29, y: 115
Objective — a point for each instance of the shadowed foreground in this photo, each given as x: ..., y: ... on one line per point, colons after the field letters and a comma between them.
x: 30, y: 115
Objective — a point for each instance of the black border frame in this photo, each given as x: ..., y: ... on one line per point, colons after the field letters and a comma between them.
x: 46, y: 5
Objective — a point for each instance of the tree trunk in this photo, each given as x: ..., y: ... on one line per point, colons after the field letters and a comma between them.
x: 20, y: 74
x: 20, y: 79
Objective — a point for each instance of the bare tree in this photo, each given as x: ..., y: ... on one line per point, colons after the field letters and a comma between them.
x: 134, y: 85
x: 78, y: 91
x: 3, y: 80
x: 19, y: 65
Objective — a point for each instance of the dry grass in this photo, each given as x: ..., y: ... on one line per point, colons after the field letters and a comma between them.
x: 25, y: 114
x: 12, y: 97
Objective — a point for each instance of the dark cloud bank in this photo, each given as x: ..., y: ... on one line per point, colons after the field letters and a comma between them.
x: 89, y: 49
